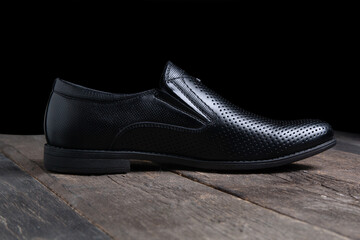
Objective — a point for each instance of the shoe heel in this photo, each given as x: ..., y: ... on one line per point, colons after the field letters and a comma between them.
x: 83, y: 161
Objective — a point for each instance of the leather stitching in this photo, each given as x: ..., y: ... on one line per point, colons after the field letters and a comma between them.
x: 84, y: 90
x: 167, y: 72
x: 155, y: 125
x: 212, y: 161
x: 191, y: 100
x: 178, y: 109
x: 105, y: 100
x: 104, y: 96
x: 183, y: 80
x: 187, y: 95
x: 172, y: 79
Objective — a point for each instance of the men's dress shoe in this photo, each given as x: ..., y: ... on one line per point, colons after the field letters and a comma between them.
x: 183, y: 122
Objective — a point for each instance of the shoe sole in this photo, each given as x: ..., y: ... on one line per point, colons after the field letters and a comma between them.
x: 105, y: 162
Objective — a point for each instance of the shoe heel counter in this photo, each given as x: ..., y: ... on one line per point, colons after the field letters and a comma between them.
x: 45, y: 125
x: 75, y: 119
x: 49, y: 102
x: 58, y: 126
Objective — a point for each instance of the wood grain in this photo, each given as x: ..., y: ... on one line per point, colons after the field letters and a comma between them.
x: 348, y: 142
x: 323, y: 190
x: 28, y: 210
x: 150, y: 203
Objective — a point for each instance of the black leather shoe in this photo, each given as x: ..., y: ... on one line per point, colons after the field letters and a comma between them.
x: 183, y: 122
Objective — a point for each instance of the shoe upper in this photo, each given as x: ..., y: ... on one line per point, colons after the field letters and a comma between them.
x: 183, y: 117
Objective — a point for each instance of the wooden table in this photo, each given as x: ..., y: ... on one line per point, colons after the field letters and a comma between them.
x: 317, y: 198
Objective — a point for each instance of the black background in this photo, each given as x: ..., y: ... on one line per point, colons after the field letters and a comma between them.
x: 281, y: 61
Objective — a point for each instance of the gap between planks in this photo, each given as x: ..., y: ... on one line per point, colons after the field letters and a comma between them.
x: 4, y: 147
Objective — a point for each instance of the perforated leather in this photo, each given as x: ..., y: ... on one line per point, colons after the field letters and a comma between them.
x: 183, y: 118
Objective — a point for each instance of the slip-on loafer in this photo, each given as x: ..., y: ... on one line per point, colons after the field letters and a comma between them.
x: 182, y: 122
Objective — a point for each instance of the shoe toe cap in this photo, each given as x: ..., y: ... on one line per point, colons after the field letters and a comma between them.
x: 311, y: 134
x: 318, y: 132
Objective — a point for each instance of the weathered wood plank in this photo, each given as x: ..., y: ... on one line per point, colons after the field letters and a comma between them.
x: 151, y: 203
x: 351, y: 138
x: 348, y: 142
x: 31, y: 146
x: 323, y: 190
x: 29, y: 211
x: 338, y: 164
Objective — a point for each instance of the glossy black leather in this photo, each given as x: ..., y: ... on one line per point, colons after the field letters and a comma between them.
x: 182, y: 118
